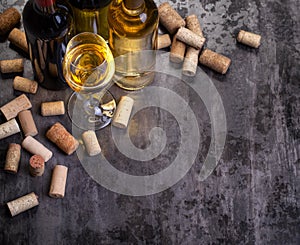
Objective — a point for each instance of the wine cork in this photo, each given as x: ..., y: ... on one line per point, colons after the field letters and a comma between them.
x: 10, y: 66
x: 53, y: 108
x: 62, y: 138
x: 249, y: 38
x: 122, y: 114
x: 27, y: 123
x: 12, y: 108
x: 190, y: 38
x: 177, y: 51
x: 190, y: 64
x: 163, y: 41
x: 58, y: 181
x: 36, y: 148
x: 23, y: 203
x: 91, y: 143
x: 13, y: 157
x: 25, y: 85
x: 36, y: 165
x: 215, y: 61
x: 18, y: 38
x: 193, y: 24
x: 9, y: 19
x: 169, y: 18
x: 9, y: 128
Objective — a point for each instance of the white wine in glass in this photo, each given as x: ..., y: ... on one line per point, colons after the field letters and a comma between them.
x: 88, y: 69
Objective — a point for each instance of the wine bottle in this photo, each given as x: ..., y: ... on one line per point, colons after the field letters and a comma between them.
x: 133, y: 28
x: 48, y: 26
x: 91, y: 16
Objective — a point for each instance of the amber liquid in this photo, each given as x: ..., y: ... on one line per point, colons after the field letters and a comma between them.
x: 91, y: 20
x: 86, y: 66
x: 91, y: 16
x: 132, y: 36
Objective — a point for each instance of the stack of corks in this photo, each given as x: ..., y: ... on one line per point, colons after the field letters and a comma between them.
x: 188, y: 41
x: 19, y: 117
x: 17, y: 112
x: 9, y: 19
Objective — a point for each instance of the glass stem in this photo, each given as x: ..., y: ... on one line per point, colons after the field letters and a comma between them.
x: 91, y: 104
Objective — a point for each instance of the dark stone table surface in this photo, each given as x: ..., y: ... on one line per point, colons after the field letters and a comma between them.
x: 253, y: 194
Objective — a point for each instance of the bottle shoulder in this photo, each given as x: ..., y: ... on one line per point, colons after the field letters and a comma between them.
x: 123, y: 23
x: 47, y: 25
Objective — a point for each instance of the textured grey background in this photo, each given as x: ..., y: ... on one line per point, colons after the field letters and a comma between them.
x: 252, y: 197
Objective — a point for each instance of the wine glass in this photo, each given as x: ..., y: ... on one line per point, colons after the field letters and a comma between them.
x: 88, y: 68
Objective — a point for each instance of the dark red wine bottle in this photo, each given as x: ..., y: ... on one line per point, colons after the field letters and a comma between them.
x: 48, y: 26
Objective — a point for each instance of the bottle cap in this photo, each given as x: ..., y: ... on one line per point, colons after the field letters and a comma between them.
x: 44, y: 3
x: 133, y: 4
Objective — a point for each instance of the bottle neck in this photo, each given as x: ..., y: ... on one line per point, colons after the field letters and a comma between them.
x: 45, y: 6
x: 133, y: 7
